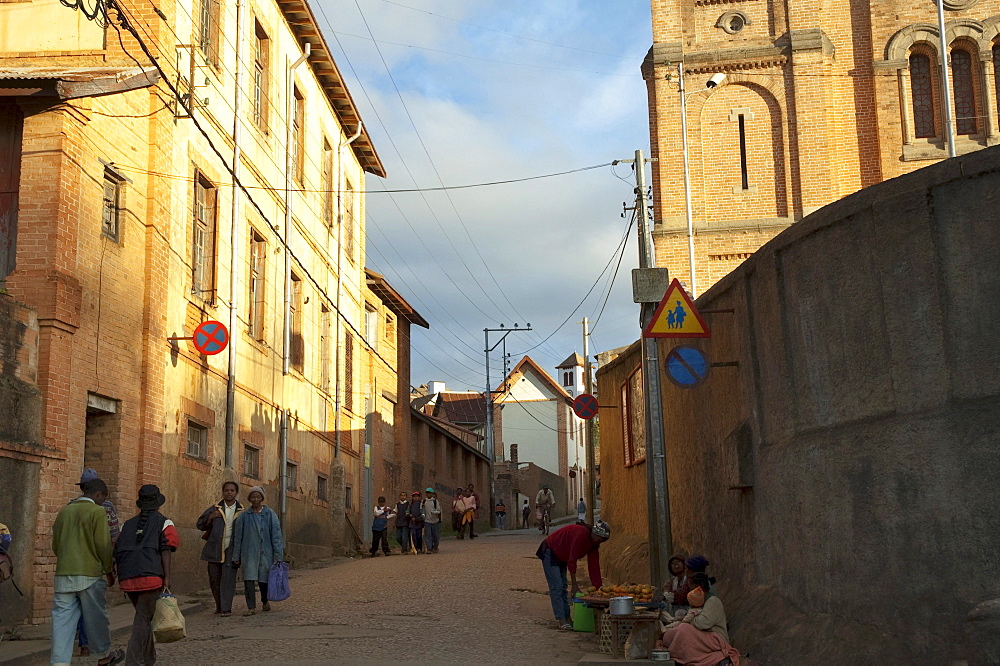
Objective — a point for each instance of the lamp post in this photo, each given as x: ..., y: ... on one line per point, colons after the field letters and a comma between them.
x: 949, y: 127
x: 712, y: 83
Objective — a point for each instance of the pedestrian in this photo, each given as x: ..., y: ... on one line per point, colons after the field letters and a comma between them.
x: 560, y: 551
x: 216, y: 524
x: 90, y: 474
x: 257, y: 544
x: 468, y: 514
x: 415, y: 519
x: 82, y: 545
x: 5, y: 538
x: 501, y: 513
x: 403, y: 523
x: 475, y: 514
x: 380, y: 521
x: 457, y: 510
x: 581, y: 510
x: 525, y: 512
x: 142, y: 555
x: 432, y: 521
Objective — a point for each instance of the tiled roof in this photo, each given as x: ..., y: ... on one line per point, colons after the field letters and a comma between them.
x: 461, y: 407
x: 572, y: 361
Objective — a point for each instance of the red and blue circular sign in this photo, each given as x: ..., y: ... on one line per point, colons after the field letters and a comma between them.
x: 686, y: 367
x: 585, y: 406
x: 211, y: 337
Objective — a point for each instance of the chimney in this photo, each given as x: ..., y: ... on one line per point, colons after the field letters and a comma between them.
x: 513, y: 455
x: 435, y: 387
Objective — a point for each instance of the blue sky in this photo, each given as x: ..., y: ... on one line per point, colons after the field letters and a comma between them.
x: 460, y: 92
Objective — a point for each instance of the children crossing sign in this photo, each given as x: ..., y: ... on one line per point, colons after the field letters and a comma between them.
x: 676, y: 317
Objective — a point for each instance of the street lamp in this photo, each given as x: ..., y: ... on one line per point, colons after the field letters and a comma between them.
x: 712, y: 83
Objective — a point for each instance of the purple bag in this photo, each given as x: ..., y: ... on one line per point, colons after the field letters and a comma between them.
x: 277, y: 582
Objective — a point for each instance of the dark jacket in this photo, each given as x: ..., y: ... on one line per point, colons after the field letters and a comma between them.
x: 212, y: 552
x: 402, y: 516
x: 416, y: 514
x: 137, y: 559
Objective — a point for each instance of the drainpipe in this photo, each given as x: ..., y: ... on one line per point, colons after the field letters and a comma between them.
x: 340, y: 253
x: 287, y: 338
x: 233, y: 245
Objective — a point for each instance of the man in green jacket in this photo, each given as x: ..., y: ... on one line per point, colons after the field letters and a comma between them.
x: 82, y: 544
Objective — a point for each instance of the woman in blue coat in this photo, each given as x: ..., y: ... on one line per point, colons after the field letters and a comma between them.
x: 257, y: 544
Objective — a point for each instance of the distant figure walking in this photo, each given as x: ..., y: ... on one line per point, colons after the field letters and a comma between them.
x: 403, y: 523
x: 457, y: 510
x: 432, y: 521
x: 380, y: 521
x: 501, y: 513
x: 216, y: 524
x: 581, y: 510
x: 525, y: 512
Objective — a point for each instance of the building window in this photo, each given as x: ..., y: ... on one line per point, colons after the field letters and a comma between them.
x: 633, y: 410
x: 922, y: 91
x: 113, y: 184
x: 371, y: 326
x: 321, y: 488
x: 297, y: 350
x: 349, y: 221
x: 207, y: 29
x: 298, y: 135
x: 349, y: 371
x: 325, y: 347
x: 203, y: 247
x: 251, y: 461
x: 566, y: 381
x: 261, y: 75
x: 258, y: 263
x: 390, y: 326
x: 348, y: 497
x: 965, y: 94
x: 328, y: 199
x: 197, y: 440
x: 996, y: 73
x: 744, y: 174
x: 292, y: 476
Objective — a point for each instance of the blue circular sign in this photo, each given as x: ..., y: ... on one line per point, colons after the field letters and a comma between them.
x: 686, y: 367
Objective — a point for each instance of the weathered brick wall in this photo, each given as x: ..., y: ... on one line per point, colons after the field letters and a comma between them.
x: 851, y: 449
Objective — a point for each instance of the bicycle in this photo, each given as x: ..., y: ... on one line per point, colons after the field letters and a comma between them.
x: 546, y: 521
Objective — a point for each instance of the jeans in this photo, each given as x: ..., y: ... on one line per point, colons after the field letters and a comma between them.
x: 82, y: 630
x: 555, y: 576
x: 248, y: 589
x: 432, y: 536
x: 140, y: 646
x: 500, y: 519
x: 403, y: 537
x: 379, y: 536
x: 222, y: 580
x: 524, y: 521
x: 67, y: 609
x: 417, y: 539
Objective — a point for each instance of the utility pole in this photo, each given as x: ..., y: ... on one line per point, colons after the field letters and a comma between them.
x: 588, y: 383
x: 490, y: 453
x: 657, y: 496
x: 949, y: 125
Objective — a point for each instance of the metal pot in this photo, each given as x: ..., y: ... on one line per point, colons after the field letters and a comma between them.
x: 659, y: 655
x: 622, y: 606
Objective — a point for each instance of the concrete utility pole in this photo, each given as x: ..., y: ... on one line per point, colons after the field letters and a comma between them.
x: 490, y: 453
x: 588, y: 384
x: 658, y: 501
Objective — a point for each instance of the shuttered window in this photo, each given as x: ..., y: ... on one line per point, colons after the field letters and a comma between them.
x: 203, y: 246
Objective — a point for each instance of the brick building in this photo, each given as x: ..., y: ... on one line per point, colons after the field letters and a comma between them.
x: 819, y: 100
x: 134, y: 206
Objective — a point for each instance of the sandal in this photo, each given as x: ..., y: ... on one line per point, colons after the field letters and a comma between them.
x: 225, y: 613
x: 248, y: 612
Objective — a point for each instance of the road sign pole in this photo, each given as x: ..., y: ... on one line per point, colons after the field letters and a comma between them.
x: 588, y: 383
x: 658, y: 502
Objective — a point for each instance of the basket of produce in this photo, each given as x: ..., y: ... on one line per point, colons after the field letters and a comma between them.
x: 642, y: 595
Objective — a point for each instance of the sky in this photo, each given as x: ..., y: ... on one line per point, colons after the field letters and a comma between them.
x: 464, y: 92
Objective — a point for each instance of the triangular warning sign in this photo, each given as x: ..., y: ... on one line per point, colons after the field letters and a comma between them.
x: 676, y: 317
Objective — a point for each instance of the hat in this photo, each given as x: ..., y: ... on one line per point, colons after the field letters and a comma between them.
x: 430, y: 490
x: 150, y: 498
x: 417, y: 493
x: 89, y: 474
x: 696, y: 563
x: 602, y: 529
x: 256, y: 489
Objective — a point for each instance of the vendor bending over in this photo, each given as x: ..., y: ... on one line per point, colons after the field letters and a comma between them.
x: 560, y: 551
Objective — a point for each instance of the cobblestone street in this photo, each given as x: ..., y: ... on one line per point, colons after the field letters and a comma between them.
x: 466, y: 604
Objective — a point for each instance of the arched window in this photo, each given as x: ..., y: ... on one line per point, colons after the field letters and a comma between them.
x: 964, y: 90
x: 922, y: 90
x: 996, y: 73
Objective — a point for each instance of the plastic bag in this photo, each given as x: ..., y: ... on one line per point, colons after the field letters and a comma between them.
x: 168, y: 621
x: 277, y: 582
x: 640, y: 640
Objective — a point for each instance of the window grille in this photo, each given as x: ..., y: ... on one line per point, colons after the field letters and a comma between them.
x: 965, y: 94
x: 922, y: 91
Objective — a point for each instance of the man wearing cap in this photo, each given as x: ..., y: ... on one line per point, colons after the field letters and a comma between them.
x: 560, y: 551
x: 90, y: 474
x: 82, y: 544
x: 415, y: 517
x: 432, y: 521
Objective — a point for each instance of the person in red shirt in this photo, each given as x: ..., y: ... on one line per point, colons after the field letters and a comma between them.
x: 560, y: 551
x: 142, y: 554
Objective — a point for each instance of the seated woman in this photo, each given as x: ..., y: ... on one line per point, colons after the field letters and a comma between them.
x: 701, y: 638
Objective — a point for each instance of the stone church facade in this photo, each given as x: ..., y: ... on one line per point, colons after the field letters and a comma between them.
x: 819, y: 100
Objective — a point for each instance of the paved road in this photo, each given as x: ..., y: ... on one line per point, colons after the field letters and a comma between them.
x: 475, y: 602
